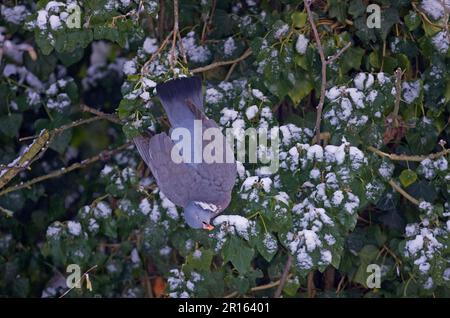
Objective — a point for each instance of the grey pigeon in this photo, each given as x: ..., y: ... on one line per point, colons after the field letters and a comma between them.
x: 202, y: 189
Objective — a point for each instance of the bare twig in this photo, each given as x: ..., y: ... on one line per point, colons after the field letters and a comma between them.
x: 175, y: 33
x: 144, y: 68
x: 208, y: 21
x: 284, y: 277
x: 56, y: 173
x: 182, y: 51
x: 324, y: 63
x: 323, y: 85
x: 259, y: 288
x: 329, y: 277
x: 111, y: 117
x: 338, y: 54
x: 161, y: 19
x: 398, y: 94
x: 310, y: 285
x: 214, y: 65
x: 397, y: 188
x: 416, y: 158
x: 230, y: 71
x: 8, y: 213
x: 41, y: 143
x: 24, y: 160
x: 445, y: 18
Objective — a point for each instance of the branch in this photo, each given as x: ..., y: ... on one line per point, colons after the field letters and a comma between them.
x: 56, y: 173
x: 323, y: 85
x: 403, y: 192
x: 222, y: 63
x: 445, y: 18
x: 259, y: 288
x: 8, y: 213
x: 24, y: 160
x: 230, y: 71
x: 338, y: 54
x: 41, y: 143
x: 398, y: 94
x: 310, y: 285
x: 284, y: 277
x: 324, y: 63
x: 111, y: 117
x: 144, y: 68
x: 175, y: 33
x: 415, y: 158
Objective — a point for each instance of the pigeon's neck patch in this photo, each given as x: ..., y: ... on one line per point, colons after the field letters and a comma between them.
x: 207, y: 206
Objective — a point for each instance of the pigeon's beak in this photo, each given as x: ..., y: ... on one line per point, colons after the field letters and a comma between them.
x: 207, y: 226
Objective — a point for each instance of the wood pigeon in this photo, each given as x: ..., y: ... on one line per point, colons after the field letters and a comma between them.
x: 202, y: 189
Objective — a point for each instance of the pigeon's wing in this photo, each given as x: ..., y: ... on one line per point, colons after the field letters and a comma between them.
x: 226, y: 171
x: 173, y: 179
x: 175, y: 95
x: 142, y: 144
x: 214, y: 181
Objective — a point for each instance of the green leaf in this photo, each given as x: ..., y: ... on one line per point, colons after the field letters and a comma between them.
x: 356, y: 8
x: 375, y: 60
x: 412, y: 20
x: 407, y: 177
x: 423, y: 137
x: 351, y: 59
x: 423, y: 190
x: 337, y: 9
x: 299, y: 19
x: 368, y: 253
x: 199, y: 260
x: 429, y: 28
x: 291, y: 287
x: 300, y: 90
x: 267, y: 246
x: 10, y: 124
x: 61, y: 141
x: 43, y: 43
x: 389, y: 17
x: 236, y: 251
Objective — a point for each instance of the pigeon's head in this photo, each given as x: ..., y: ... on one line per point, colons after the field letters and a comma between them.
x: 198, y: 215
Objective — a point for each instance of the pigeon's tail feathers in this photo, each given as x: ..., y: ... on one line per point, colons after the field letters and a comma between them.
x: 143, y: 146
x: 176, y: 95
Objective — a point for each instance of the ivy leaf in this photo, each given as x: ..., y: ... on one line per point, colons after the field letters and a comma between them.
x: 10, y: 124
x: 291, y: 287
x: 301, y: 89
x: 365, y: 34
x: 356, y: 8
x: 61, y: 141
x: 337, y: 9
x: 267, y: 246
x: 423, y: 190
x: 351, y: 59
x: 238, y: 253
x: 412, y: 20
x: 430, y: 29
x: 368, y: 253
x: 423, y: 137
x: 199, y: 260
x: 43, y: 43
x: 407, y: 177
x: 389, y: 17
x: 299, y: 19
